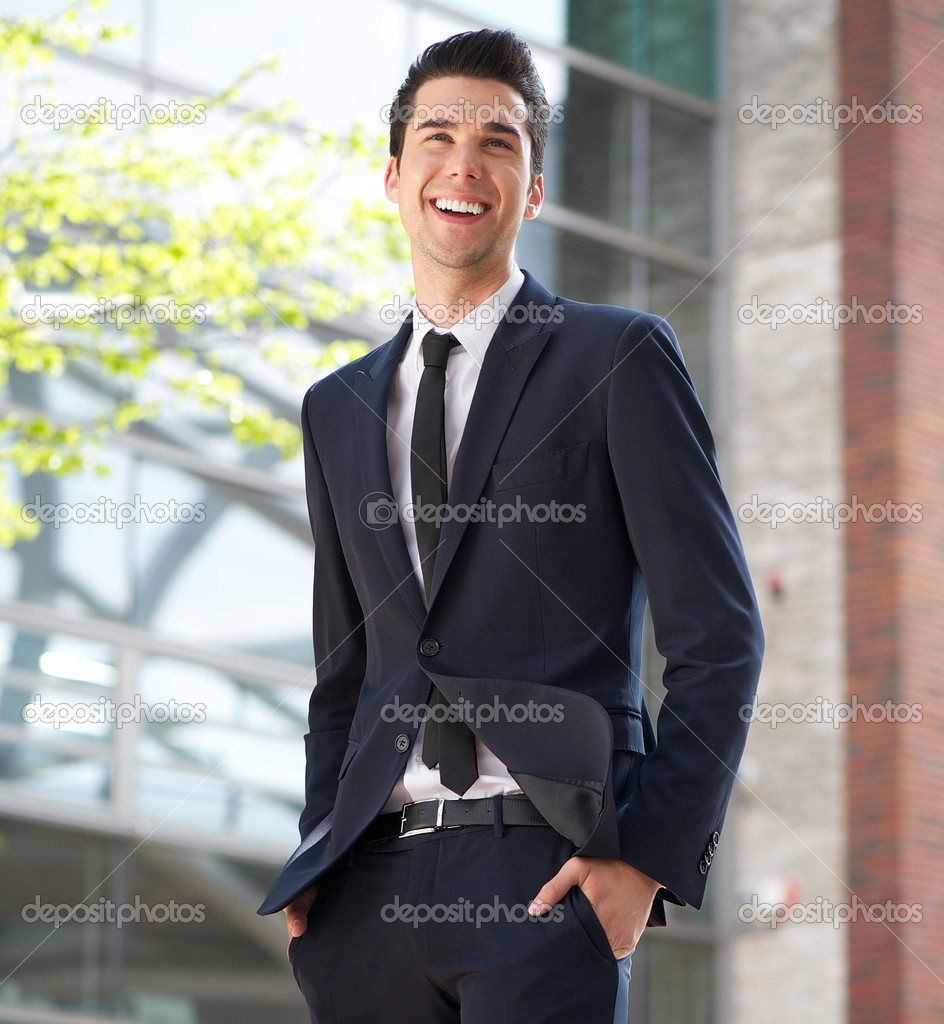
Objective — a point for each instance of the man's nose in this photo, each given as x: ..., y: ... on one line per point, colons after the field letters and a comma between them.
x: 466, y: 161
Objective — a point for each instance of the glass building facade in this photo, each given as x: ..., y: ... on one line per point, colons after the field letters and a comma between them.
x: 200, y: 812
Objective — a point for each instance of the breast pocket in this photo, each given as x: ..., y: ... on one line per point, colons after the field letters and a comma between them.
x: 539, y: 467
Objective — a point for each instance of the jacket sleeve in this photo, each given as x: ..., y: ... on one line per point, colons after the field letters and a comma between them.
x: 703, y: 609
x: 339, y: 644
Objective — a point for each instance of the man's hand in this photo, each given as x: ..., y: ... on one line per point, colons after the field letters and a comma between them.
x: 296, y: 913
x: 620, y: 895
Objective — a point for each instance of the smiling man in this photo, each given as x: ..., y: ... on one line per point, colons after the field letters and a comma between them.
x: 495, y: 493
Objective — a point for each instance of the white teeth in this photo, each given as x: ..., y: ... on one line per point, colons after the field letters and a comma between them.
x: 460, y: 206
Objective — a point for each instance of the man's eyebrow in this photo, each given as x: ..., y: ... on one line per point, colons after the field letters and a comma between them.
x: 435, y: 122
x: 501, y: 128
x: 497, y: 127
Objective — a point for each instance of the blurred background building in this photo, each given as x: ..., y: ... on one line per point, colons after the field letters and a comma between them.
x: 665, y: 192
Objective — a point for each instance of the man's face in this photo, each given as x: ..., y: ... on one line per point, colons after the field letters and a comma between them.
x: 467, y: 143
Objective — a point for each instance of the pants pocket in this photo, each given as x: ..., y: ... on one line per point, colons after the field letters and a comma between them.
x: 586, y: 916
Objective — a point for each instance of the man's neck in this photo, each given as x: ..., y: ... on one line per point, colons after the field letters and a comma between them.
x: 447, y: 297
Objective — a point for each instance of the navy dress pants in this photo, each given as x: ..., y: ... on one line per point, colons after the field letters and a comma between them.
x: 434, y: 929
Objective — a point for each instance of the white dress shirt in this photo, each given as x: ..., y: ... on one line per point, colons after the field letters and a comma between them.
x: 474, y: 333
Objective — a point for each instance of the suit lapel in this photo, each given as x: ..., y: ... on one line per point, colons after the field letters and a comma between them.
x: 372, y: 387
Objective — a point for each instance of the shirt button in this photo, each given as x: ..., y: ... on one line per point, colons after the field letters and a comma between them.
x: 429, y: 647
x: 402, y: 742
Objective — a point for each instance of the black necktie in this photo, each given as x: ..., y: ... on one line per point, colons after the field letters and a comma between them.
x: 450, y: 744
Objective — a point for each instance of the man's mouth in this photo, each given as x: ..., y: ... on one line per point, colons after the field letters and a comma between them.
x: 460, y: 206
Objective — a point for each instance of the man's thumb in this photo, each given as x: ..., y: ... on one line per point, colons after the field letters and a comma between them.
x: 553, y: 891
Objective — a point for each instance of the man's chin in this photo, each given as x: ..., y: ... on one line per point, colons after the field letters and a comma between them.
x: 463, y: 258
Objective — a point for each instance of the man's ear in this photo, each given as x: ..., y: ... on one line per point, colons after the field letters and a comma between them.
x: 535, y: 198
x: 392, y: 180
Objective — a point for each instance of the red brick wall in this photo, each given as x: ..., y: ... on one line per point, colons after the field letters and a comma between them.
x: 893, y: 238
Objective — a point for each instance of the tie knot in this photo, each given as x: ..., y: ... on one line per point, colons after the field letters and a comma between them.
x: 436, y: 348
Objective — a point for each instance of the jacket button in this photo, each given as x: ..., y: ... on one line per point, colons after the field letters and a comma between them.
x: 703, y: 866
x: 429, y: 647
x: 402, y: 742
x: 715, y: 838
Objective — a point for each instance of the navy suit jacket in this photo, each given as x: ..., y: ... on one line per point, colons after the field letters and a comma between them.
x: 591, y: 407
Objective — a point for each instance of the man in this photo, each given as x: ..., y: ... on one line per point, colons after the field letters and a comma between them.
x: 490, y: 823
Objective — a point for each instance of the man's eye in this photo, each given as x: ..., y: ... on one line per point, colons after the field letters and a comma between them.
x: 498, y: 142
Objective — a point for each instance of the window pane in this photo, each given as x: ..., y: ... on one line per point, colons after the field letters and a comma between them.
x: 681, y: 44
x: 669, y: 40
x: 680, y: 180
x: 597, y: 161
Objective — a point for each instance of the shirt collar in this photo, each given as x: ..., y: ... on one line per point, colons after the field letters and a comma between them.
x: 474, y: 331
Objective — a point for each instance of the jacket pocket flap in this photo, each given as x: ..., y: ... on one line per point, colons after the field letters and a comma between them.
x: 539, y: 466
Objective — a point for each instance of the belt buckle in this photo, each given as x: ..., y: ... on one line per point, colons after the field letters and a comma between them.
x: 437, y: 826
x: 424, y: 828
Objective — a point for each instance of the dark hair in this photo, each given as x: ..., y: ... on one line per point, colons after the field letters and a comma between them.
x: 487, y: 53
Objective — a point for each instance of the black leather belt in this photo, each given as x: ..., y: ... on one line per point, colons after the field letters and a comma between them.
x: 437, y: 815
